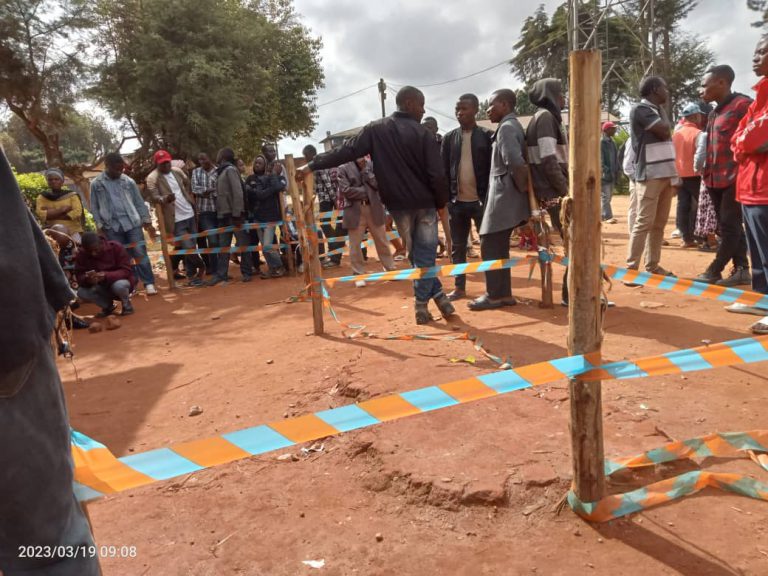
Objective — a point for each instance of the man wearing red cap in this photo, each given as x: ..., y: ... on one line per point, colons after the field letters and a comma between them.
x: 168, y: 187
x: 609, y: 156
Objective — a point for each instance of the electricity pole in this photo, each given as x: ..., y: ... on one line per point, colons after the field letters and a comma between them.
x: 383, y: 96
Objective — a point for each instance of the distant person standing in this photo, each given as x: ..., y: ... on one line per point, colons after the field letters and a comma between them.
x: 466, y: 153
x: 609, y: 159
x: 263, y: 194
x: 750, y: 148
x: 170, y: 190
x: 363, y: 210
x: 57, y: 205
x: 230, y: 208
x: 327, y: 195
x: 204, y: 191
x: 688, y: 138
x: 507, y: 201
x: 411, y: 183
x: 720, y: 171
x: 430, y: 123
x: 120, y: 212
x: 655, y: 172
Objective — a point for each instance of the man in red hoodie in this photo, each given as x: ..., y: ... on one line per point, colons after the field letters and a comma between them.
x: 750, y: 149
x: 103, y: 270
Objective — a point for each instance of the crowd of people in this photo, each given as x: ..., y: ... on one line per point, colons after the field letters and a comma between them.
x: 400, y: 170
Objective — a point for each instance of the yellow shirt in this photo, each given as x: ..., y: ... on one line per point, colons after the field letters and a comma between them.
x: 73, y: 223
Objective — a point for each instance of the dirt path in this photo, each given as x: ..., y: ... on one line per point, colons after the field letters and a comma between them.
x: 466, y: 490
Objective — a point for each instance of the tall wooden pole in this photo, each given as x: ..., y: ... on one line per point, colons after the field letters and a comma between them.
x: 164, y: 246
x: 584, y: 276
x: 312, y: 257
x: 285, y: 235
x: 299, y: 214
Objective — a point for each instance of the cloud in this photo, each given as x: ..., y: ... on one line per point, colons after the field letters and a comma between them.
x: 427, y: 41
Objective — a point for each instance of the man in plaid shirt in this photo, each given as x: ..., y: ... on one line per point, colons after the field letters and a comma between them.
x: 720, y: 172
x: 204, y: 191
x: 327, y: 193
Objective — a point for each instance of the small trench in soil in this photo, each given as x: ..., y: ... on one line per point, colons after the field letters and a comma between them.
x: 531, y: 497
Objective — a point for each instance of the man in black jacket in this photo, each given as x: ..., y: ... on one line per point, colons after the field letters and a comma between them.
x: 412, y: 185
x: 466, y: 153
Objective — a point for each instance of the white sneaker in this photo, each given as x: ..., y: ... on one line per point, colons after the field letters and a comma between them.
x: 737, y: 308
x: 677, y: 234
x: 151, y: 290
x: 360, y: 283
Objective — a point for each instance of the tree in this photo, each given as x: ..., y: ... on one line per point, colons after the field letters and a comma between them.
x: 191, y: 75
x: 83, y: 140
x: 759, y: 6
x: 623, y: 33
x: 42, y: 47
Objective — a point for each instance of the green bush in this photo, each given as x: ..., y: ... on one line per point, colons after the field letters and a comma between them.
x: 32, y: 184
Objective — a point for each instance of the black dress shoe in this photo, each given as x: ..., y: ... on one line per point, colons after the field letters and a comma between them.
x: 484, y: 303
x: 457, y: 294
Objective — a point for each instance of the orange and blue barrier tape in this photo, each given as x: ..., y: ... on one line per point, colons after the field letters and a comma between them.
x: 753, y: 444
x: 682, y: 286
x: 223, y: 250
x: 98, y: 472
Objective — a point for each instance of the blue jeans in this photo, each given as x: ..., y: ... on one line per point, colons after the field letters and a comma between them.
x: 208, y: 221
x: 102, y: 294
x: 271, y: 254
x: 192, y: 262
x: 606, y: 193
x: 462, y: 215
x: 419, y: 230
x: 224, y: 240
x: 144, y: 267
x: 756, y: 220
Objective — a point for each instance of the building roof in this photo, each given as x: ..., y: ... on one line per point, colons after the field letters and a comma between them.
x: 345, y: 134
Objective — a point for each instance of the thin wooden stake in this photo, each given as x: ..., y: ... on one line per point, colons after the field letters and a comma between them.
x: 584, y: 277
x: 547, y: 300
x: 299, y: 214
x: 285, y: 234
x: 164, y: 246
x: 312, y: 258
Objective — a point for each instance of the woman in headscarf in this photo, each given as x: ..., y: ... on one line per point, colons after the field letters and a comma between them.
x: 59, y: 205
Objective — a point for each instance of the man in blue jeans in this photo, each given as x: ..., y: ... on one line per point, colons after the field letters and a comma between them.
x: 412, y: 185
x: 120, y: 213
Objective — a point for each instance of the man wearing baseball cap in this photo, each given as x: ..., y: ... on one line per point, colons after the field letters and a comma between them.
x: 688, y: 139
x: 168, y: 187
x: 609, y: 157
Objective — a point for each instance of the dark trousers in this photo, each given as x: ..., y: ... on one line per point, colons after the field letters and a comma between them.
x: 756, y: 219
x: 330, y: 230
x: 733, y: 244
x: 208, y: 221
x: 687, y: 206
x: 462, y: 214
x: 495, y: 246
x: 224, y: 240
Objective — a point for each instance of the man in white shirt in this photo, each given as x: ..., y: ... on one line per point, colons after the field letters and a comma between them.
x: 169, y: 188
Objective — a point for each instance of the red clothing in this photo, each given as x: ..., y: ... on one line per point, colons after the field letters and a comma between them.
x: 113, y: 261
x: 684, y: 139
x: 720, y: 169
x: 750, y: 147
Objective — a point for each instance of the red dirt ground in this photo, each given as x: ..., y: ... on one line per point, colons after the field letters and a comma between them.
x: 466, y: 490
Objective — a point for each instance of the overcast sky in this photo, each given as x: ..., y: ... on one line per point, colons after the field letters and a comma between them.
x: 423, y: 42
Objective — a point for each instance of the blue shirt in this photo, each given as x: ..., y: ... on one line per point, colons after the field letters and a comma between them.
x: 117, y: 204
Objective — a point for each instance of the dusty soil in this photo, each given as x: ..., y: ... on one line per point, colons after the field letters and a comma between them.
x: 466, y: 490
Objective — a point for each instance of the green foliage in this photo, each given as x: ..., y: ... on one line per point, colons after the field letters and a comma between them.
x: 42, y: 45
x: 83, y: 139
x: 759, y: 6
x: 191, y: 75
x: 31, y: 185
x: 681, y: 58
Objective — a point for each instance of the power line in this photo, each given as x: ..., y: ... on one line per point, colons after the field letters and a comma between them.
x: 347, y: 96
x: 443, y: 83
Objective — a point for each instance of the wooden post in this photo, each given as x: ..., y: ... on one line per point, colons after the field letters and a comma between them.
x: 285, y: 235
x: 547, y: 300
x: 584, y: 276
x: 164, y: 246
x: 312, y: 257
x: 299, y: 214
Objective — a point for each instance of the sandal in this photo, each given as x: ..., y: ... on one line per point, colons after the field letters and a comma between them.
x: 760, y: 327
